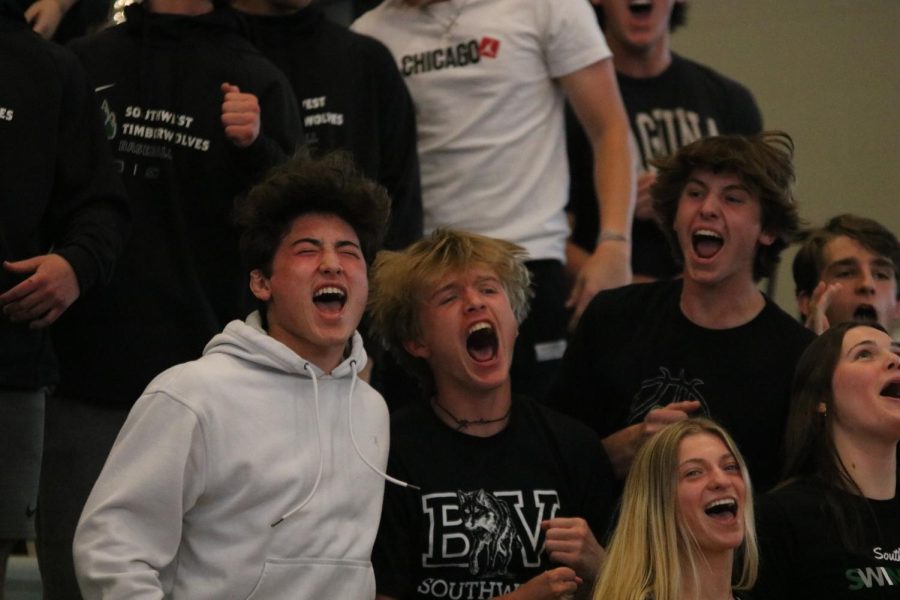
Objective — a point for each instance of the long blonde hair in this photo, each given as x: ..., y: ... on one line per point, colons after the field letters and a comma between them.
x: 651, y: 547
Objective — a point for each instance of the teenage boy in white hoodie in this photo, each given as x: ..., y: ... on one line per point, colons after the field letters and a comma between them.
x: 254, y: 471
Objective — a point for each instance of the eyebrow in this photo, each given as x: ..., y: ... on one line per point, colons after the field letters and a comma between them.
x: 456, y: 284
x: 319, y: 243
x: 727, y: 455
x: 729, y: 187
x: 487, y: 279
x: 862, y: 343
x: 853, y: 262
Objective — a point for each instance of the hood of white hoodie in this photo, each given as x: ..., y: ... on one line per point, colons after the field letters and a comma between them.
x: 248, y: 341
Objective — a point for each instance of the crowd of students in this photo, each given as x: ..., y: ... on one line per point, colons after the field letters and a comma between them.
x: 189, y: 450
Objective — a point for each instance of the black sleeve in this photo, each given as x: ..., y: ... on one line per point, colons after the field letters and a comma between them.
x: 600, y: 489
x: 776, y: 548
x: 394, y: 554
x: 577, y: 391
x: 745, y: 115
x: 399, y: 154
x: 89, y: 213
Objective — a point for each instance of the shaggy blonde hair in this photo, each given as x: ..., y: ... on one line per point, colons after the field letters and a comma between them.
x: 401, y: 280
x: 651, y: 548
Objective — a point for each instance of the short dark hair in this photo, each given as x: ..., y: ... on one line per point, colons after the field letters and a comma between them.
x: 763, y: 161
x: 676, y: 19
x: 810, y: 259
x: 302, y: 185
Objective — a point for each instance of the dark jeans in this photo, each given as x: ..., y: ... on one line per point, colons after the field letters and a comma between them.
x: 77, y: 440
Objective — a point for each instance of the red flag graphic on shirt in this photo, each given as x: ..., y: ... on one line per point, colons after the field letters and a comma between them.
x: 489, y: 47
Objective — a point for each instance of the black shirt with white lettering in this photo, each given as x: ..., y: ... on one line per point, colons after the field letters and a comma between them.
x: 802, y: 555
x: 473, y: 531
x: 684, y: 103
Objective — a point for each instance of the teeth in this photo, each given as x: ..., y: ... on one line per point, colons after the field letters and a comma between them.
x: 722, y: 502
x: 708, y: 233
x: 328, y: 290
x: 479, y: 327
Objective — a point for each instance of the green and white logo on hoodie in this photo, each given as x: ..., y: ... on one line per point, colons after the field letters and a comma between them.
x: 109, y: 121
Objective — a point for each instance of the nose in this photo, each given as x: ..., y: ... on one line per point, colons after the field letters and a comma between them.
x: 866, y: 282
x: 330, y: 262
x: 710, y: 205
x: 473, y: 300
x: 893, y: 360
x: 717, y: 478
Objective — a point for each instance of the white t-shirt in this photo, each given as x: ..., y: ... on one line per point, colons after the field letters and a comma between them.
x: 489, y: 113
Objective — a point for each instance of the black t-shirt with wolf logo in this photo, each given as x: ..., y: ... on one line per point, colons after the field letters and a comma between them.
x: 473, y: 531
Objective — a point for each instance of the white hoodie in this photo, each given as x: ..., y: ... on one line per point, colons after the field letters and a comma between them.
x: 217, y: 450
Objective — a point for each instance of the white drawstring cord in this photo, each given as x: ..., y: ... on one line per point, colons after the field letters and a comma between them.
x: 384, y: 475
x: 321, y: 453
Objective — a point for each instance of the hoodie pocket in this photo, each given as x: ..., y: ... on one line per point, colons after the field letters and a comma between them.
x: 314, y: 578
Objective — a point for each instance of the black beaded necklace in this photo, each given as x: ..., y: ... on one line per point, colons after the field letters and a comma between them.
x: 463, y: 423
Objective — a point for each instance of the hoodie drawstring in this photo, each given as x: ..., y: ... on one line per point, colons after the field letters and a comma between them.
x: 382, y: 474
x: 315, y: 487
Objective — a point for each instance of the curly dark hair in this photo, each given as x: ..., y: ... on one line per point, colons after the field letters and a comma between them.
x: 302, y: 185
x: 765, y: 164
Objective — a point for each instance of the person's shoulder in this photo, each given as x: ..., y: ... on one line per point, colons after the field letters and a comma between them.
x: 361, y: 47
x: 40, y: 55
x: 561, y: 426
x: 693, y: 68
x: 411, y: 420
x: 111, y: 36
x: 789, y: 329
x: 631, y: 300
x: 794, y: 496
x: 383, y: 15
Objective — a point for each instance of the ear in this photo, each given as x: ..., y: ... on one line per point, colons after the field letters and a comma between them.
x: 417, y: 348
x: 767, y: 238
x: 821, y: 408
x: 259, y: 285
x: 803, y: 303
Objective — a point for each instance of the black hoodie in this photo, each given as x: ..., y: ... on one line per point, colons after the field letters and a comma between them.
x: 351, y: 97
x: 58, y: 189
x: 180, y: 280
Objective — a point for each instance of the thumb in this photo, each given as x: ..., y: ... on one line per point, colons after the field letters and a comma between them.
x: 227, y: 88
x: 29, y: 265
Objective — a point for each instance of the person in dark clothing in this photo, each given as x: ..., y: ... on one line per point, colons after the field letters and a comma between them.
x: 63, y: 221
x: 832, y: 528
x: 711, y: 343
x: 194, y: 115
x: 671, y: 101
x: 508, y: 493
x: 350, y: 96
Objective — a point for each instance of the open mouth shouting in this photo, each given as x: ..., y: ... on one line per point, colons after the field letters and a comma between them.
x: 640, y: 7
x: 865, y: 313
x: 482, y: 342
x: 706, y: 243
x: 330, y: 299
x: 892, y: 389
x: 723, y: 509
